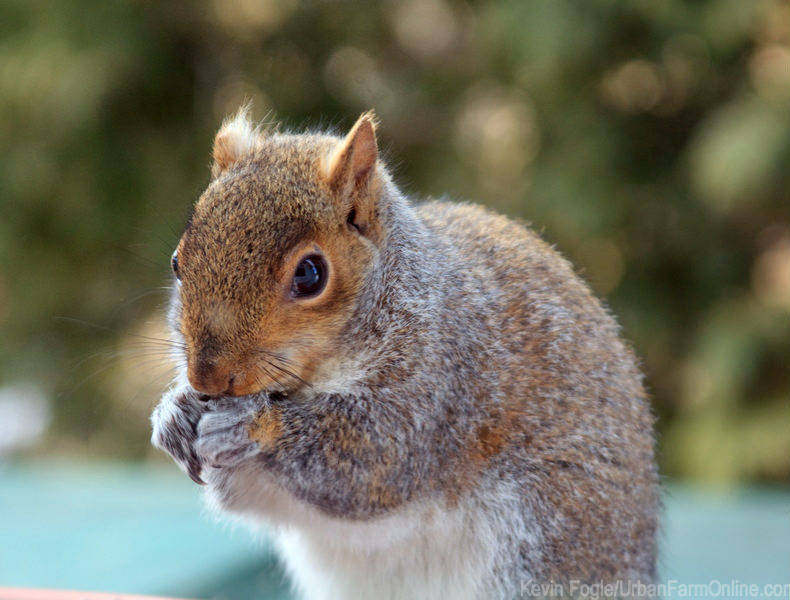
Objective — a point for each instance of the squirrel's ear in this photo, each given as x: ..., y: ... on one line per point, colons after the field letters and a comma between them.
x: 352, y: 164
x: 236, y: 139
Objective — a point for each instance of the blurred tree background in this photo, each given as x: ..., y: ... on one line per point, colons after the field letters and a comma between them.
x: 649, y: 140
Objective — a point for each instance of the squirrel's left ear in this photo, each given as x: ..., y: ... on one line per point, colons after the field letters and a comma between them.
x: 236, y: 139
x: 351, y: 168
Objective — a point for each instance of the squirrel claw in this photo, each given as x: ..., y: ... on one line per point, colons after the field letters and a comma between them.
x: 174, y: 424
x: 222, y: 438
x: 194, y: 474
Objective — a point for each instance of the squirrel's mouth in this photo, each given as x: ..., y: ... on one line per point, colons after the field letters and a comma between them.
x: 271, y: 395
x: 214, y: 381
x: 216, y: 374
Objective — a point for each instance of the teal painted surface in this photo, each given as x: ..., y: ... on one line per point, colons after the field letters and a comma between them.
x: 143, y: 529
x: 741, y: 535
x: 127, y: 529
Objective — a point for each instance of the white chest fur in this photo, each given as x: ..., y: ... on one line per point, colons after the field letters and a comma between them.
x: 433, y: 557
x: 423, y: 552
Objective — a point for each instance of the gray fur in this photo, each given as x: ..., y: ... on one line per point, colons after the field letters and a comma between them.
x: 475, y: 373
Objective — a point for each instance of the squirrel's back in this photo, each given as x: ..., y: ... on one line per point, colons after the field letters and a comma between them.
x: 574, y: 426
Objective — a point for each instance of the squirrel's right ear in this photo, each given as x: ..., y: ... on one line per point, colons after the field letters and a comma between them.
x: 236, y: 139
x: 350, y: 169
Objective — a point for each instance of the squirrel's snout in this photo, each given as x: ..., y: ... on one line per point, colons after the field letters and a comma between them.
x: 215, y: 379
x: 212, y: 386
x: 210, y: 378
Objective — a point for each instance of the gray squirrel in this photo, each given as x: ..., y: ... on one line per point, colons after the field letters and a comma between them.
x: 422, y: 402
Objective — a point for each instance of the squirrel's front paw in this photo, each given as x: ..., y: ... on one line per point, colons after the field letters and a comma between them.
x: 175, y: 422
x: 223, y: 438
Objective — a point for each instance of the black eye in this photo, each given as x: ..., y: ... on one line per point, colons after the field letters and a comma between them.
x: 310, y: 277
x: 174, y: 265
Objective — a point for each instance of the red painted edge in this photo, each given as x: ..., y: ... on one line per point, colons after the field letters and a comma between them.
x: 31, y: 594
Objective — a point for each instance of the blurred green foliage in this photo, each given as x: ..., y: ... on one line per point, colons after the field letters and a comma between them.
x: 648, y: 140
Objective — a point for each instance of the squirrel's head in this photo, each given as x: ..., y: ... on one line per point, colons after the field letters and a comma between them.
x: 275, y: 254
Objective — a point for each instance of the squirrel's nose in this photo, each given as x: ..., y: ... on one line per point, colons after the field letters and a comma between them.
x: 211, y: 379
x: 220, y: 376
x: 212, y: 386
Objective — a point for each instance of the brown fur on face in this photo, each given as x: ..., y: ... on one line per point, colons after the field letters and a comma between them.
x: 280, y: 200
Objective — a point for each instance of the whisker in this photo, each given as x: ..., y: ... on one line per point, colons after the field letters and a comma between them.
x: 279, y: 357
x: 151, y: 345
x: 282, y: 369
x: 144, y: 259
x: 156, y: 382
x: 91, y: 375
x: 157, y: 290
x: 134, y: 353
x: 268, y: 374
x: 173, y: 343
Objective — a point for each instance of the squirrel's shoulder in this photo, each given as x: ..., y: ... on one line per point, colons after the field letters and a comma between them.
x: 509, y: 248
x: 528, y: 288
x: 477, y: 229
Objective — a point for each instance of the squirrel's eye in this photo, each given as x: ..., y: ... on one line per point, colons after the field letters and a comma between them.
x: 174, y: 265
x: 310, y: 277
